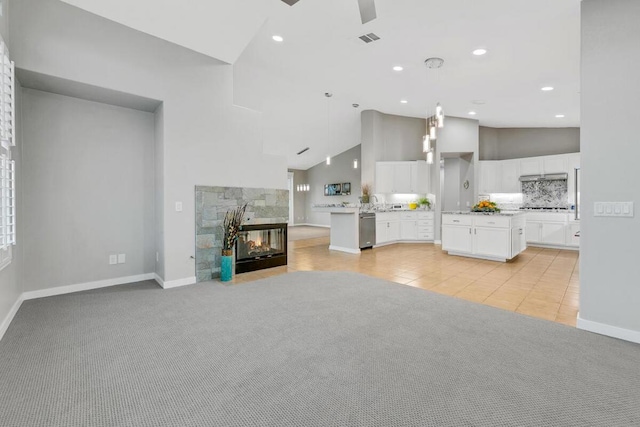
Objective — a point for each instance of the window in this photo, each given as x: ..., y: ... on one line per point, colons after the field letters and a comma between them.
x: 7, y: 165
x: 7, y: 209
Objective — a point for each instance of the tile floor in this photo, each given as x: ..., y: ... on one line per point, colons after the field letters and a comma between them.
x: 540, y: 282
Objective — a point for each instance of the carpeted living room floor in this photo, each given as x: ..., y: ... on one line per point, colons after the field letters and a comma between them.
x: 305, y: 349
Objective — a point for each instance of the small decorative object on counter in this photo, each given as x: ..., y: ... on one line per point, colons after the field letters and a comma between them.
x: 231, y: 226
x: 366, y: 193
x: 413, y: 205
x: 485, y: 206
x: 424, y: 203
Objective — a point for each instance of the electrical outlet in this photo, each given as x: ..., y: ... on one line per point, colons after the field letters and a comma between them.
x: 122, y: 258
x: 113, y: 259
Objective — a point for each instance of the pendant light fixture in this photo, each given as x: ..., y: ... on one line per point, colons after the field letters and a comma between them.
x: 328, y: 95
x: 434, y: 121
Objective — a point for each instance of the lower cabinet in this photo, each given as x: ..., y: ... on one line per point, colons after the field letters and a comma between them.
x: 573, y: 234
x: 387, y: 231
x: 493, y: 242
x: 483, y: 236
x: 552, y: 229
x: 404, y: 226
x: 456, y: 238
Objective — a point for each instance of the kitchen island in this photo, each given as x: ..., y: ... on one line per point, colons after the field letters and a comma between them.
x: 498, y: 236
x: 344, y: 228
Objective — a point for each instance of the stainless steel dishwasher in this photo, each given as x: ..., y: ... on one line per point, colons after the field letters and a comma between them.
x: 367, y: 229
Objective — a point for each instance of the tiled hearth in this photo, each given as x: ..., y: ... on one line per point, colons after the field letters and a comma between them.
x: 265, y: 206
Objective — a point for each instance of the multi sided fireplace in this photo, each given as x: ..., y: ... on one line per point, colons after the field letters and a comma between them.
x: 261, y: 246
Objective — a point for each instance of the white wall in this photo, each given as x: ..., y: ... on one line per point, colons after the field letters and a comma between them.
x: 340, y: 170
x: 88, y: 180
x: 457, y: 137
x: 207, y: 141
x: 609, y: 284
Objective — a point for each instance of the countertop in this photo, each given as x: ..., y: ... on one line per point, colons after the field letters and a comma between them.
x: 501, y: 213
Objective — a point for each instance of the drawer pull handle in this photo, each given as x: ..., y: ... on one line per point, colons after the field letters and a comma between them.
x: 491, y: 222
x: 456, y: 220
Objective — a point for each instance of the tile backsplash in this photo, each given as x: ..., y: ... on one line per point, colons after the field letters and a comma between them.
x: 551, y: 193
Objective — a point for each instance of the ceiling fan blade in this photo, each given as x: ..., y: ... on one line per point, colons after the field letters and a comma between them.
x: 367, y: 10
x: 290, y: 2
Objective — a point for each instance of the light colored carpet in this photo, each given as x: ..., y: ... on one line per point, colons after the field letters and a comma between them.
x: 302, y: 232
x: 305, y: 349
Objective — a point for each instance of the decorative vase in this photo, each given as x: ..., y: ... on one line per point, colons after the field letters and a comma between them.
x: 365, y: 199
x: 226, y: 266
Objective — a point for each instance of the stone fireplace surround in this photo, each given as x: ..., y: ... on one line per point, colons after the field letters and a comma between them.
x: 265, y: 206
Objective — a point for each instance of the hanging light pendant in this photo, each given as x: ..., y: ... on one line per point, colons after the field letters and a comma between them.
x: 430, y: 157
x: 432, y: 131
x: 439, y: 115
x: 328, y: 160
x: 426, y: 144
x: 328, y: 95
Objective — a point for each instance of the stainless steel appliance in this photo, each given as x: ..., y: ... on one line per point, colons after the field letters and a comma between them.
x: 576, y: 193
x: 546, y: 177
x: 367, y: 229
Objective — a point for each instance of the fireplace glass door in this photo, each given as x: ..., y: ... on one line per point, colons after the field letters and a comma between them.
x: 256, y: 244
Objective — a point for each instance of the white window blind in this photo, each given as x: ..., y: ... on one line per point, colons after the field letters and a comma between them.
x: 7, y: 202
x: 7, y: 98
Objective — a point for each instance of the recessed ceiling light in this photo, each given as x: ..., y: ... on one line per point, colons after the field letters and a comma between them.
x: 278, y: 38
x: 472, y: 113
x: 559, y: 116
x: 479, y: 52
x: 403, y: 101
x: 547, y: 88
x: 398, y: 68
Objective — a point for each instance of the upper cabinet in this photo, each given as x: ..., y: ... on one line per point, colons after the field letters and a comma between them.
x: 510, y: 182
x: 555, y: 164
x: 531, y: 166
x: 402, y: 177
x: 503, y: 176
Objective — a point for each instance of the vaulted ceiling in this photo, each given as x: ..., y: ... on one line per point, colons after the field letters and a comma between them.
x: 530, y: 44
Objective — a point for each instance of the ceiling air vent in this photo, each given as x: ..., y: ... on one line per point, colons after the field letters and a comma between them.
x: 303, y: 150
x: 368, y: 38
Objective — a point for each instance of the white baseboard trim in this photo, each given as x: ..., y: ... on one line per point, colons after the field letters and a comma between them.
x: 60, y: 290
x: 343, y: 249
x: 310, y: 225
x: 9, y: 317
x: 566, y: 248
x: 437, y: 242
x: 608, y: 330
x: 174, y: 283
x: 393, y: 242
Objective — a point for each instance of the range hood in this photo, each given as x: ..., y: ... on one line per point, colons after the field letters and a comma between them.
x: 547, y: 177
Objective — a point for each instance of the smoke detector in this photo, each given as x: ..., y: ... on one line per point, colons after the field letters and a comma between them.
x: 434, y: 62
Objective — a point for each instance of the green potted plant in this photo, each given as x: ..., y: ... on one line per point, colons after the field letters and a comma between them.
x: 366, y: 193
x: 424, y: 202
x: 231, y: 226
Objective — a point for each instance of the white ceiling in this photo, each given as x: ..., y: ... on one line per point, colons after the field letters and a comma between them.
x: 531, y: 43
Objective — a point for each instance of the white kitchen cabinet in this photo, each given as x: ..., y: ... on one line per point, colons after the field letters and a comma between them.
x: 554, y: 233
x: 510, y: 182
x: 492, y: 242
x: 573, y: 234
x: 457, y: 238
x: 548, y: 229
x: 402, y: 177
x: 384, y: 231
x: 531, y: 166
x: 554, y: 164
x: 384, y: 177
x: 409, y: 230
x: 533, y: 231
x: 490, y: 176
x: 483, y: 236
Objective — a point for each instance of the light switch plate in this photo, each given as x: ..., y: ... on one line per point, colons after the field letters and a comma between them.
x: 178, y: 206
x: 113, y: 259
x: 613, y: 209
x: 122, y: 258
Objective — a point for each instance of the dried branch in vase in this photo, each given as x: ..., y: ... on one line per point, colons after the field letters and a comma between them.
x: 232, y: 222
